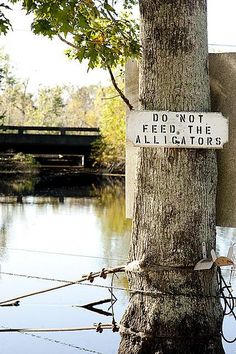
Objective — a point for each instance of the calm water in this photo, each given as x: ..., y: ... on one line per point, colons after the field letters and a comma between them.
x: 73, y: 232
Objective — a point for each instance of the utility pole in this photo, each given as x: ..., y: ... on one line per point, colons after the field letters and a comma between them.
x: 176, y: 310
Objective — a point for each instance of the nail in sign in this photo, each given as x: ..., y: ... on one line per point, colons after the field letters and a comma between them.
x: 177, y: 129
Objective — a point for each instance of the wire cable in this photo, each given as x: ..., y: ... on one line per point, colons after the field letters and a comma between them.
x: 64, y: 254
x: 90, y: 277
x: 56, y: 341
x: 128, y: 290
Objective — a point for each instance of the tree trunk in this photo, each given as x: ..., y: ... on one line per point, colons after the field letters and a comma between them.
x: 176, y: 309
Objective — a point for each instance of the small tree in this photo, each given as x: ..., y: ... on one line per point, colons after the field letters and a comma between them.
x: 50, y: 106
x: 80, y: 106
x: 109, y: 151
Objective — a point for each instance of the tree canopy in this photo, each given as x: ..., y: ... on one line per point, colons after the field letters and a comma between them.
x: 100, y: 31
x: 103, y: 32
x: 5, y: 24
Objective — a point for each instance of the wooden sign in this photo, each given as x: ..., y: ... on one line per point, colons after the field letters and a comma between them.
x: 223, y: 90
x: 177, y: 129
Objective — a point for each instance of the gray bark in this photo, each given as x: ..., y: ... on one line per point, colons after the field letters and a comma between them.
x: 178, y: 311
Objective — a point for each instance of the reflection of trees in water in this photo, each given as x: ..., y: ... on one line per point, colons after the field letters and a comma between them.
x: 24, y: 186
x: 106, y: 197
x: 17, y: 185
x: 3, y: 238
x: 110, y: 210
x: 6, y: 217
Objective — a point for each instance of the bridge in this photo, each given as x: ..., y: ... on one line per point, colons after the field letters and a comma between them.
x: 48, y: 140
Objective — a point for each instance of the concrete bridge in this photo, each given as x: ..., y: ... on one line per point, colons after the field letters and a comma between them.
x: 48, y: 140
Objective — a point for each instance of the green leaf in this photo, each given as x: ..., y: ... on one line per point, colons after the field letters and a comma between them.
x: 5, y: 24
x: 82, y: 22
x: 109, y: 8
x: 42, y: 26
x: 105, y: 37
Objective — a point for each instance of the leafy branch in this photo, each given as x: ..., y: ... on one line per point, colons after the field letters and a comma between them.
x: 98, y: 32
x: 113, y: 80
x: 5, y: 24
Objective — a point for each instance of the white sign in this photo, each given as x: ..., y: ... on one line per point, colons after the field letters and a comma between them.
x: 177, y: 129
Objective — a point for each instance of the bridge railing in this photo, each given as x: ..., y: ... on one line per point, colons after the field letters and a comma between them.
x: 15, y: 129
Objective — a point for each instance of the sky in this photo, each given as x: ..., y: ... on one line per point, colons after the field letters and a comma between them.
x: 44, y: 63
x: 42, y: 60
x: 221, y: 23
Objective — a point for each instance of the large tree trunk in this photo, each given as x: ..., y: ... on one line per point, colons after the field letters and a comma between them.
x: 177, y: 310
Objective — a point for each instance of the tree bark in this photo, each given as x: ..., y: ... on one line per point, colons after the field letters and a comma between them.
x: 177, y: 310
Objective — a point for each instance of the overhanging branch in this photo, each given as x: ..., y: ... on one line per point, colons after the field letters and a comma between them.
x: 113, y: 80
x: 122, y: 95
x: 68, y: 43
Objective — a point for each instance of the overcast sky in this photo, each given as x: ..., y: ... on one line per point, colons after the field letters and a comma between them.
x: 44, y: 62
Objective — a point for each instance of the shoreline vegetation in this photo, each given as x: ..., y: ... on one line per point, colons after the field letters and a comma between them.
x: 20, y: 164
x: 93, y: 106
x: 55, y: 182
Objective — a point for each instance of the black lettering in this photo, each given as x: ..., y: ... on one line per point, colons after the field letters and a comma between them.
x: 163, y: 128
x: 218, y: 141
x: 209, y: 141
x: 154, y: 128
x: 155, y: 140
x: 190, y: 129
x: 182, y: 118
x: 172, y: 129
x: 191, y: 118
x: 183, y: 141
x: 200, y: 141
x: 164, y: 117
x: 145, y: 128
x: 155, y: 117
x: 138, y: 141
x: 208, y: 130
x: 199, y: 129
x: 145, y: 140
x: 165, y: 139
x: 192, y: 139
x: 175, y: 140
x: 200, y: 117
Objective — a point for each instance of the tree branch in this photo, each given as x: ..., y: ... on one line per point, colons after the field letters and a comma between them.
x: 68, y: 43
x: 110, y: 98
x: 113, y: 80
x: 122, y: 95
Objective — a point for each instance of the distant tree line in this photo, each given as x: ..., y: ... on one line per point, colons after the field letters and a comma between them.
x: 87, y: 106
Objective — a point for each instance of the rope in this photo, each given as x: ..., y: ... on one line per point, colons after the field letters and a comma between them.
x: 228, y: 301
x: 131, y: 291
x: 91, y: 276
x: 98, y: 327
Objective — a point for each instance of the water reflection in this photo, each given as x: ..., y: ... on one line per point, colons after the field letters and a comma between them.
x: 64, y: 228
x: 110, y: 210
x: 61, y: 231
x: 6, y: 215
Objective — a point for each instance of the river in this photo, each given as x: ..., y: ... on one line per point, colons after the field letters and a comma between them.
x: 61, y: 228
